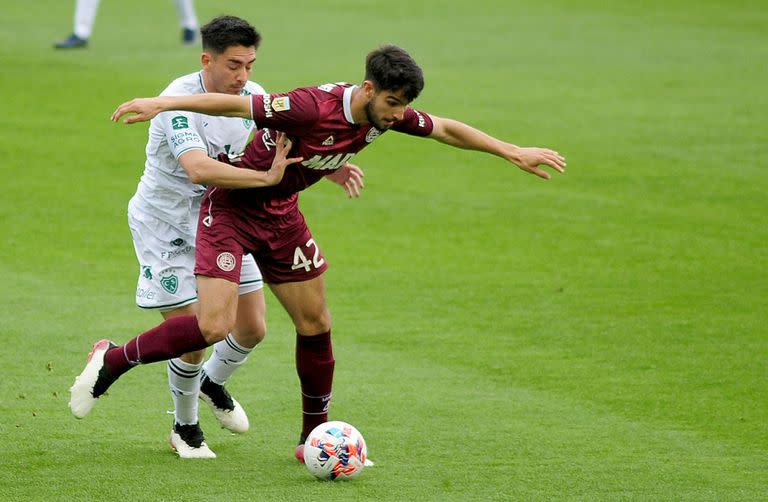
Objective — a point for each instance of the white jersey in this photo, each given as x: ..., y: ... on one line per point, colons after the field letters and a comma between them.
x: 163, y: 212
x: 164, y: 189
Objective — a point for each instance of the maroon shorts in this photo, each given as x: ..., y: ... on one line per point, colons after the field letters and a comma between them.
x: 282, y: 246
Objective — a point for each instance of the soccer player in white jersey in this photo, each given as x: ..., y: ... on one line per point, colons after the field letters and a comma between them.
x: 163, y: 216
x: 85, y: 17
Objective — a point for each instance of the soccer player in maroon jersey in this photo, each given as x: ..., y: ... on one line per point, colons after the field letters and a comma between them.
x: 328, y: 125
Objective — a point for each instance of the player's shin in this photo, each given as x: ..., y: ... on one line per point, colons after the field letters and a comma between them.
x: 314, y: 364
x: 184, y: 381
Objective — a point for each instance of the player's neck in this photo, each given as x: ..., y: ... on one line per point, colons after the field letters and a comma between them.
x: 209, y: 85
x: 357, y: 106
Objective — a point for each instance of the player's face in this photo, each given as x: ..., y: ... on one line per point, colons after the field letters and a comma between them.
x: 384, y: 108
x: 229, y: 71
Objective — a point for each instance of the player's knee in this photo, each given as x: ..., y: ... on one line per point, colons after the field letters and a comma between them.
x: 214, y: 330
x: 313, y: 323
x: 195, y: 357
x: 251, y: 334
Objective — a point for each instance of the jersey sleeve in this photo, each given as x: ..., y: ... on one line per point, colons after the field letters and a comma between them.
x: 415, y: 123
x: 292, y: 113
x: 181, y: 131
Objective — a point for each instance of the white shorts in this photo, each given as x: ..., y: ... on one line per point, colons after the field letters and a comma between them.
x: 166, y: 255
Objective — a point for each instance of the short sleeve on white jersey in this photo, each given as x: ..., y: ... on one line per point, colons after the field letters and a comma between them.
x: 181, y: 130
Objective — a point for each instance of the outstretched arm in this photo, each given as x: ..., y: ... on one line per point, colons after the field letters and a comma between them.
x: 458, y: 134
x: 208, y: 103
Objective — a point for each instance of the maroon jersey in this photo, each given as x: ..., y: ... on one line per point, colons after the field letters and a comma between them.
x: 319, y: 121
x: 266, y: 221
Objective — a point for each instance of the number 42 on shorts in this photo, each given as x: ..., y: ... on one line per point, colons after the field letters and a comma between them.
x: 300, y: 260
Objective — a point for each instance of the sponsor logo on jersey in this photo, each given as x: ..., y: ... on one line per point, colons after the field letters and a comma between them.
x: 327, y: 162
x: 180, y: 138
x: 226, y: 261
x: 267, y: 105
x: 179, y: 122
x: 266, y: 138
x: 373, y: 133
x: 148, y: 293
x: 146, y: 271
x: 170, y: 283
x: 328, y: 141
x: 175, y: 253
x: 422, y: 122
x: 177, y: 242
x: 281, y: 104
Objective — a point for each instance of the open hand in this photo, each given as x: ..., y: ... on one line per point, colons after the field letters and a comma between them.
x: 143, y: 108
x: 529, y: 159
x: 350, y: 177
x: 280, y: 162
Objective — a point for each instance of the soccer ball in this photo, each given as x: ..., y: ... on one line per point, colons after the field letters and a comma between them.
x: 335, y: 450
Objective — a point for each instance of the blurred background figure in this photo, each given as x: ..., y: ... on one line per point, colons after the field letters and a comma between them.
x: 85, y: 16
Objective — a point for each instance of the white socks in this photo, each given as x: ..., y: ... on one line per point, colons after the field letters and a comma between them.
x: 85, y: 15
x: 227, y: 356
x: 186, y: 12
x: 184, y: 380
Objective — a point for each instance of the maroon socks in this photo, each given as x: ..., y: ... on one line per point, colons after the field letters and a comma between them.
x: 174, y: 337
x: 314, y: 364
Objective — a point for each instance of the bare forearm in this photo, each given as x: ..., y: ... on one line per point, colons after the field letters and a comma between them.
x: 460, y: 135
x: 212, y: 172
x: 455, y: 133
x: 224, y: 105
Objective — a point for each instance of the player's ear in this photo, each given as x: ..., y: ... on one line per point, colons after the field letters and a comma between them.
x: 368, y: 88
x: 205, y: 59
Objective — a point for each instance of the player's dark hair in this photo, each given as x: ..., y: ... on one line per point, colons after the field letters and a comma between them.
x: 391, y: 68
x: 228, y: 31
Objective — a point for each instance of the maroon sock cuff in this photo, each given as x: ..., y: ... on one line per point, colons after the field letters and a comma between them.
x: 320, y: 340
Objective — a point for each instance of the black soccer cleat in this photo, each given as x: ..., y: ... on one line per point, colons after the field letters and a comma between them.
x: 189, y: 442
x: 188, y: 36
x: 228, y: 411
x: 71, y: 42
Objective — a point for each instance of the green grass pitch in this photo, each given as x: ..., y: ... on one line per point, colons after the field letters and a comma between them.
x: 601, y: 336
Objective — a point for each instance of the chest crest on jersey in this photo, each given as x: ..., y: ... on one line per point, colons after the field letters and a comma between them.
x: 373, y: 133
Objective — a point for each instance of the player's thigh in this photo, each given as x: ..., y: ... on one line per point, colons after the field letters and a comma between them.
x: 250, y: 326
x: 305, y: 302
x: 190, y: 309
x: 217, y: 307
x: 251, y: 317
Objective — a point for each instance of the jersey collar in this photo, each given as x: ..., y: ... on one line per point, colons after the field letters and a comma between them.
x: 347, y: 101
x: 202, y: 83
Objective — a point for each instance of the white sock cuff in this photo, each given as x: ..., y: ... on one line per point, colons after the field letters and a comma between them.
x: 184, y: 366
x: 232, y: 343
x: 227, y: 356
